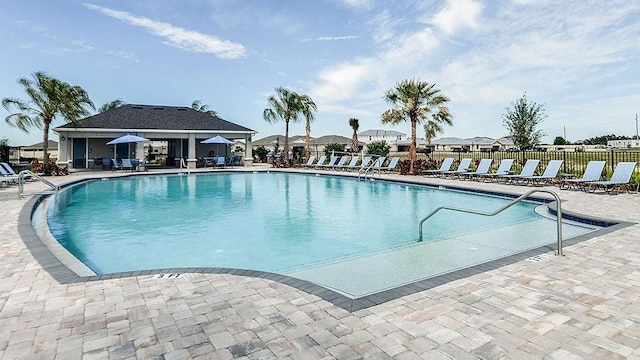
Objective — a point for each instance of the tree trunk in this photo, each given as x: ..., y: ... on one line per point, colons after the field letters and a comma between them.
x: 286, y: 142
x: 307, y: 142
x: 412, y: 149
x: 46, y: 167
x: 354, y: 142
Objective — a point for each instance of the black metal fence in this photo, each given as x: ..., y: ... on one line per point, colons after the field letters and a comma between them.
x: 573, y: 162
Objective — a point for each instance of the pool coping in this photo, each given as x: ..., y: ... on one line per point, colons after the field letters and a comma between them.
x: 61, y: 273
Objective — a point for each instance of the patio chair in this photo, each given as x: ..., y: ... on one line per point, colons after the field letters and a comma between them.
x: 463, y: 167
x: 10, y: 171
x: 365, y: 163
x: 593, y: 172
x: 309, y: 163
x: 620, y: 179
x: 377, y: 166
x: 126, y: 164
x: 321, y: 161
x: 351, y: 165
x: 550, y: 173
x: 6, y: 177
x: 340, y: 162
x: 503, y: 169
x: 115, y: 165
x: 330, y: 164
x: 528, y: 169
x: 483, y: 168
x: 392, y: 164
x: 221, y: 161
x: 445, y: 166
x: 106, y: 163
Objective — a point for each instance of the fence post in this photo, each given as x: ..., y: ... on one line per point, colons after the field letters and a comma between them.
x: 613, y: 153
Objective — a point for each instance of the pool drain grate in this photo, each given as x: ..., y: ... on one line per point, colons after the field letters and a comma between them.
x: 538, y: 258
x: 173, y: 276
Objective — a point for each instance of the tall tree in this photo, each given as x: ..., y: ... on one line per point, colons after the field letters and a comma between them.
x: 197, y: 105
x: 355, y: 125
x: 431, y: 130
x: 308, y: 108
x: 412, y: 101
x: 48, y: 98
x: 521, y: 120
x: 110, y: 105
x: 285, y: 105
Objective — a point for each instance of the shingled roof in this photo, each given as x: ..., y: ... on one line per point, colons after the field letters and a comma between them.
x: 156, y: 117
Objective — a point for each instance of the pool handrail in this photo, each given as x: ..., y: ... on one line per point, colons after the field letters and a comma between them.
x: 515, y: 201
x: 27, y: 173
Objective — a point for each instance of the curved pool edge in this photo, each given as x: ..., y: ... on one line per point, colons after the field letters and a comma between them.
x: 64, y: 275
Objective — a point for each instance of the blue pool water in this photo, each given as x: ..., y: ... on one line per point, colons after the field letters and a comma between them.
x: 300, y: 224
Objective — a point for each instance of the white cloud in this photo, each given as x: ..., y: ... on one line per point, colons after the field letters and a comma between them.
x: 331, y: 38
x: 178, y: 37
x: 358, y: 4
x: 458, y: 15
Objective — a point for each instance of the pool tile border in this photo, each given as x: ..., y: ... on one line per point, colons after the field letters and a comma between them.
x: 64, y: 275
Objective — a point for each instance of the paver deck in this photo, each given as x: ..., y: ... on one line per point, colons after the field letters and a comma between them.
x: 583, y: 305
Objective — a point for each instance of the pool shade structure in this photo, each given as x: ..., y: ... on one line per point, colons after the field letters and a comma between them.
x: 218, y: 140
x: 127, y: 139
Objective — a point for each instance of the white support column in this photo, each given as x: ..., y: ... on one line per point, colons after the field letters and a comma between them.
x: 248, y: 151
x: 63, y: 149
x: 191, y: 156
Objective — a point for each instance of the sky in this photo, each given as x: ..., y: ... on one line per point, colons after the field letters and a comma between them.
x: 577, y: 58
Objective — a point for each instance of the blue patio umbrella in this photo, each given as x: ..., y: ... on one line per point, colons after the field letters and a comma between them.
x: 127, y: 139
x: 218, y: 140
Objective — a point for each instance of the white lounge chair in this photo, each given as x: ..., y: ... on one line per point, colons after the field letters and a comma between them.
x: 320, y: 161
x: 341, y: 162
x: 593, y: 172
x: 528, y: 169
x: 330, y: 164
x: 6, y: 177
x: 365, y: 163
x: 351, y: 165
x: 550, y: 173
x: 127, y: 164
x: 483, y: 168
x: 620, y: 178
x: 309, y: 163
x: 503, y: 169
x: 463, y: 167
x: 392, y: 164
x: 377, y: 165
x: 445, y: 166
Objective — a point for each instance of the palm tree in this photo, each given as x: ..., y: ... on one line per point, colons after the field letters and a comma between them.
x: 285, y: 105
x: 308, y: 107
x: 355, y: 125
x: 197, y: 105
x: 432, y: 129
x: 110, y: 105
x: 413, y: 100
x: 48, y: 98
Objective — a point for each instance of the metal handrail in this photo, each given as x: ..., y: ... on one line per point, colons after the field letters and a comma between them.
x: 365, y: 171
x: 517, y: 200
x: 22, y: 178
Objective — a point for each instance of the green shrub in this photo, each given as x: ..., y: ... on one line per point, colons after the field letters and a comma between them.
x: 380, y: 148
x: 330, y: 147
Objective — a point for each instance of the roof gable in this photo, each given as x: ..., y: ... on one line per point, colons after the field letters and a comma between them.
x: 156, y: 117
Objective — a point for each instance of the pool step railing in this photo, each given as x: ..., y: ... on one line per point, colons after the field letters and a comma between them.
x: 505, y: 207
x: 22, y: 178
x: 369, y: 169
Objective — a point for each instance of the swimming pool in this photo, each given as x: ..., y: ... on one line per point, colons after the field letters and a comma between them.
x: 356, y: 237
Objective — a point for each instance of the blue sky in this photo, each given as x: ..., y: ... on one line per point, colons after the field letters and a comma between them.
x: 579, y: 58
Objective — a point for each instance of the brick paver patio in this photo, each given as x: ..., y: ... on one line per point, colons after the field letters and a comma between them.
x: 584, y: 305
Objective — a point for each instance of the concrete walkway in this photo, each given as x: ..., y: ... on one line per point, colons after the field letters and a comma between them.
x: 584, y: 305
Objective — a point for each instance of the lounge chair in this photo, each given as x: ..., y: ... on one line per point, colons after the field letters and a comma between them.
x: 12, y: 172
x: 330, y: 164
x: 445, y: 166
x: 320, y: 161
x: 377, y: 165
x: 593, y: 172
x: 127, y: 164
x: 392, y: 164
x: 528, y: 169
x: 350, y: 166
x: 463, y: 167
x: 503, y: 169
x: 309, y: 163
x: 550, y: 173
x: 365, y: 163
x: 341, y: 162
x: 619, y: 180
x: 106, y: 163
x: 483, y: 168
x: 221, y: 161
x: 115, y: 165
x: 6, y: 177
